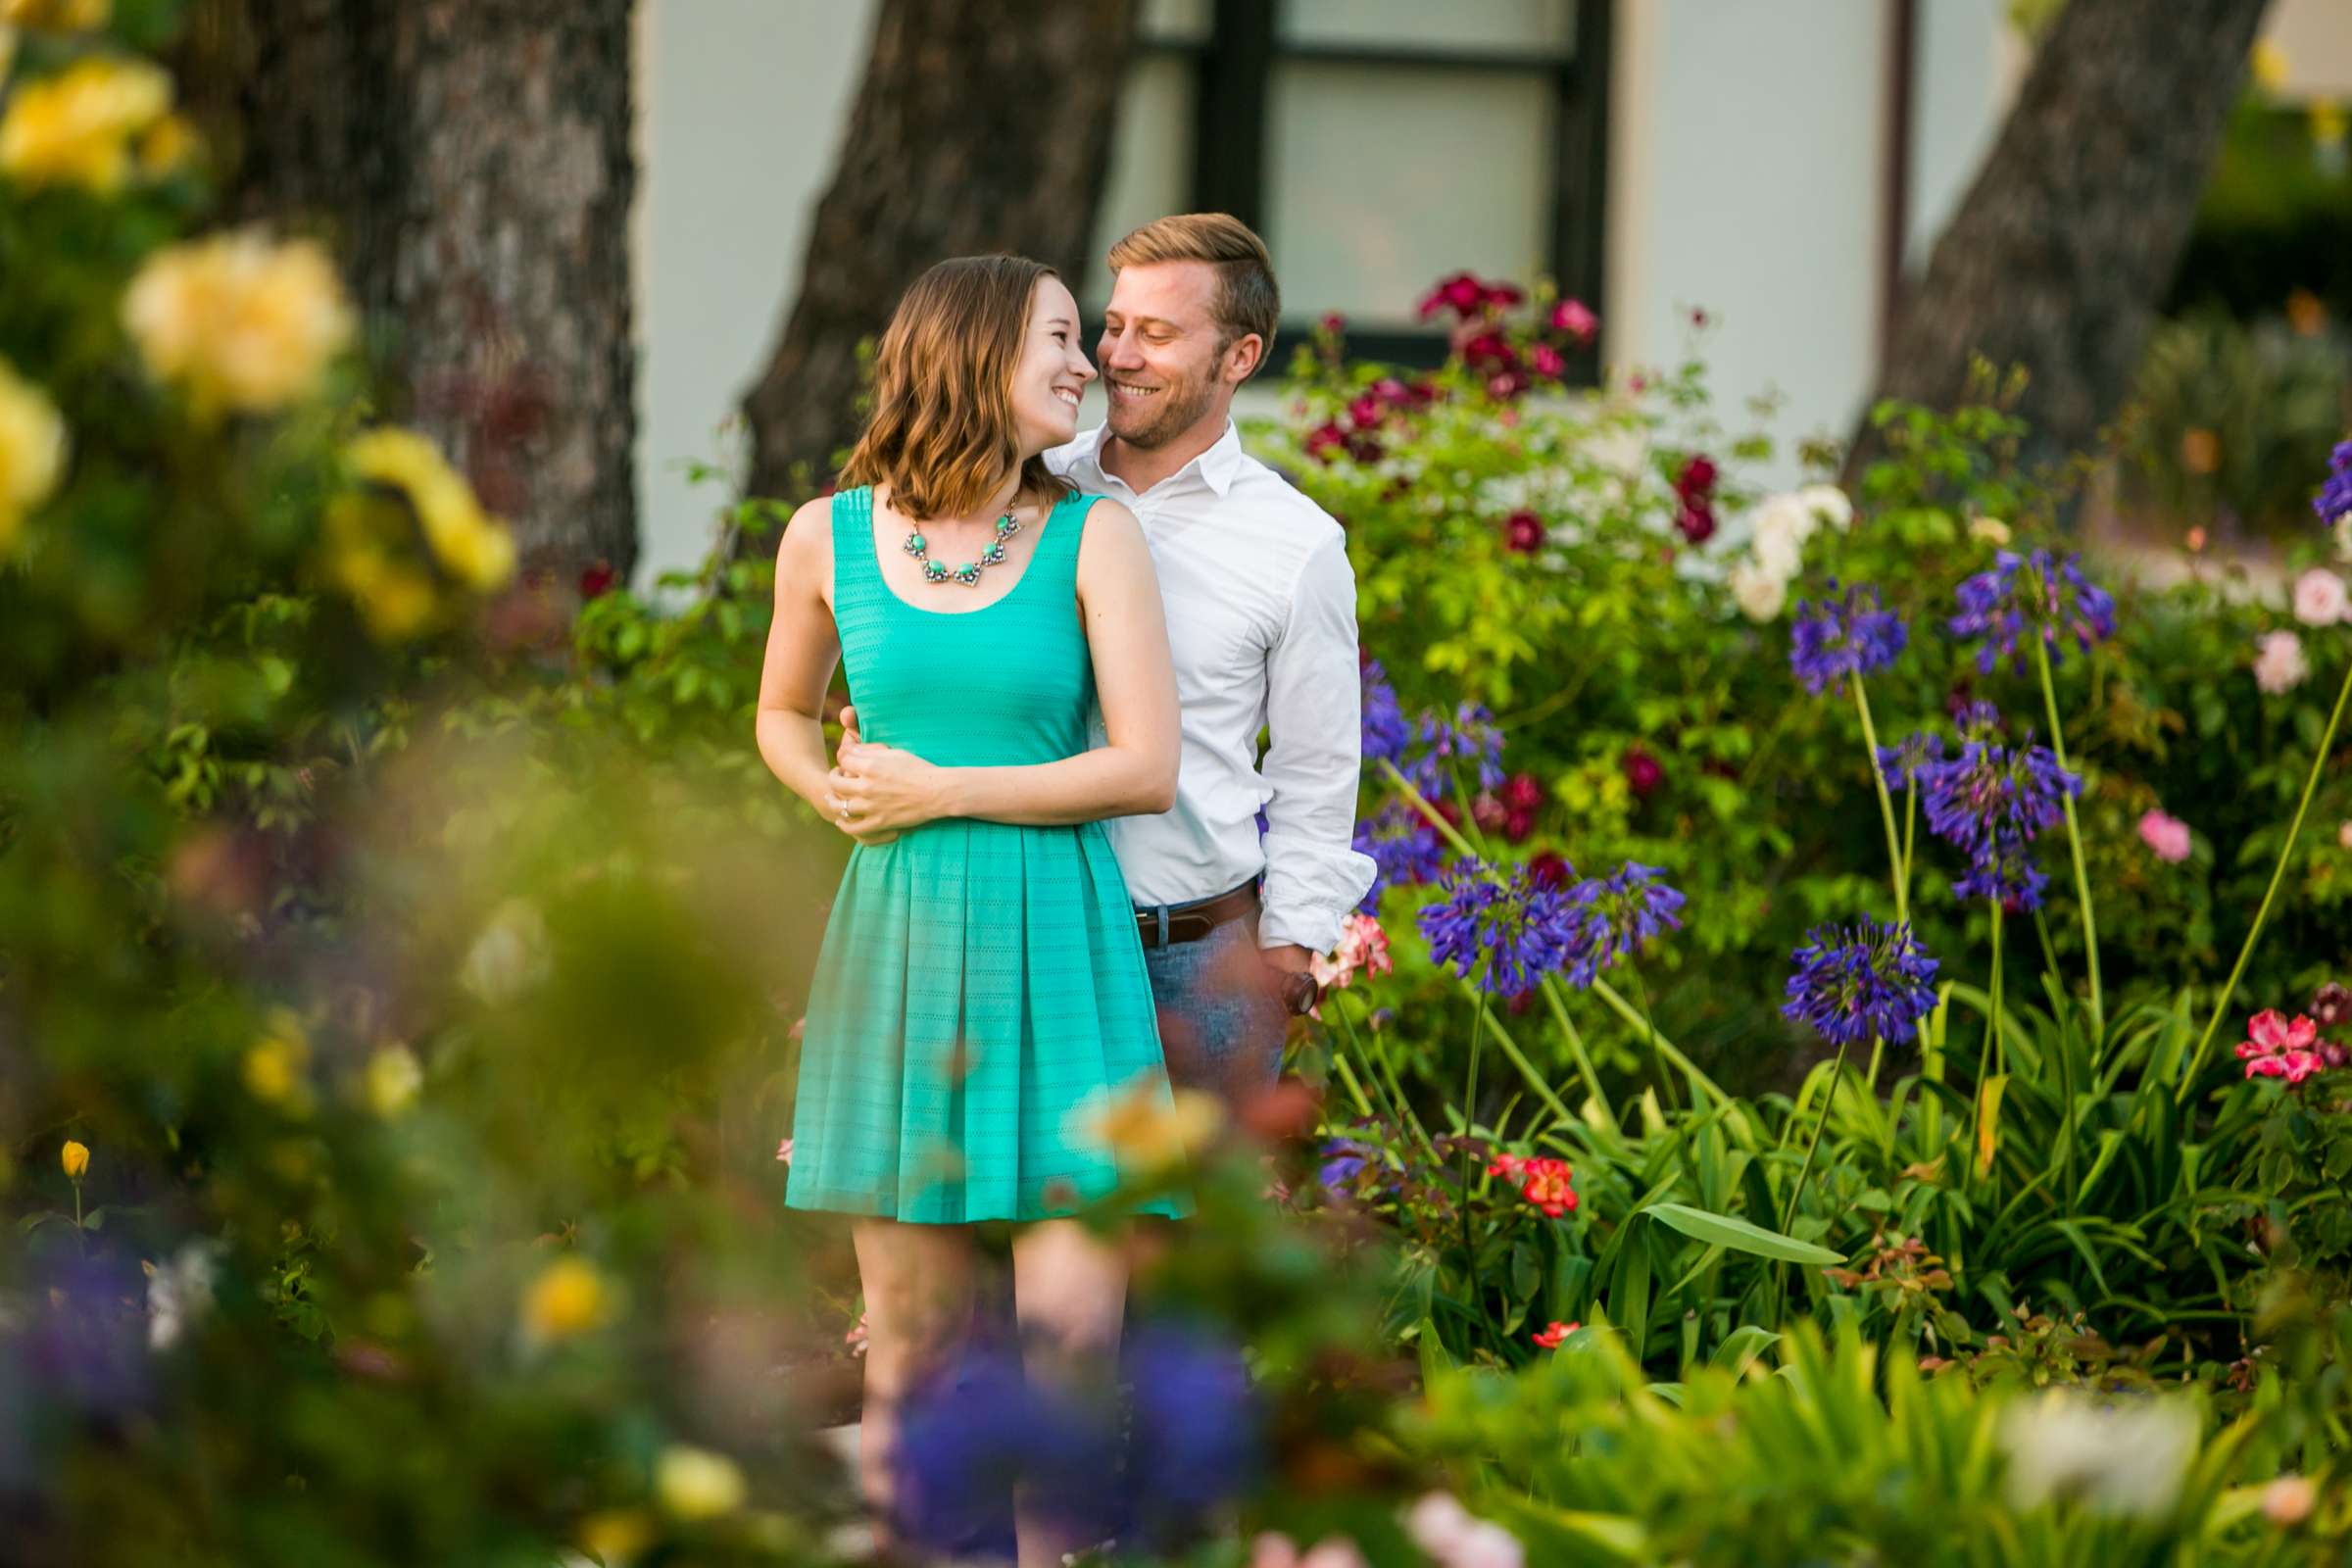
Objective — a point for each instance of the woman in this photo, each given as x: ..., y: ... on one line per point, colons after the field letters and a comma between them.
x: 981, y: 983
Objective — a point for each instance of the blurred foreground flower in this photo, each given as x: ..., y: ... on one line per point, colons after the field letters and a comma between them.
x: 180, y: 1291
x: 77, y: 127
x: 568, y: 1298
x: 274, y: 1064
x: 697, y: 1483
x: 510, y: 957
x: 239, y: 321
x: 32, y: 451
x: 1454, y: 1538
x: 56, y: 16
x: 614, y: 1536
x: 2125, y: 1457
x: 1148, y: 1132
x: 393, y: 1079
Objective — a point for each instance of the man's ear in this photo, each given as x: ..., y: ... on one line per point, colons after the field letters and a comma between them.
x: 1242, y: 357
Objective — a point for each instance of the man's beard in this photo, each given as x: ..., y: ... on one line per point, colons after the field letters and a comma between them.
x: 1171, y: 420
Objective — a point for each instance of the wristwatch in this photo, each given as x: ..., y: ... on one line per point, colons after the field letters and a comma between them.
x: 1299, y: 991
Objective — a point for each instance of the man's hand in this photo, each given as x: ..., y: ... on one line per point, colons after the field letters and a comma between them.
x: 1284, y: 963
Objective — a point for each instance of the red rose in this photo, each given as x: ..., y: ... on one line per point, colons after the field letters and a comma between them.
x: 1323, y: 438
x: 598, y: 581
x: 1503, y: 296
x: 1547, y: 870
x: 1363, y: 449
x: 1545, y: 360
x: 1462, y: 294
x: 1334, y: 323
x: 1697, y: 520
x: 1521, y: 792
x: 1517, y: 826
x: 1698, y: 478
x: 1366, y: 411
x: 1523, y: 533
x: 1488, y: 351
x: 1642, y: 773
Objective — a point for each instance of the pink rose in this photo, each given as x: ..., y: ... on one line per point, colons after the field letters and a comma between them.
x: 2280, y: 666
x: 1572, y: 317
x: 2320, y: 599
x: 2168, y: 836
x: 1545, y: 360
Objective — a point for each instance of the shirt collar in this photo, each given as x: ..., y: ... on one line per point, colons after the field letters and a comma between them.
x: 1218, y: 466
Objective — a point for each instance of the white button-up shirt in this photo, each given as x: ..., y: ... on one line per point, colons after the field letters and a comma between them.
x: 1262, y: 620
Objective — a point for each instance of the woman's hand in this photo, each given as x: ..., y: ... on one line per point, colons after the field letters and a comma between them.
x: 877, y: 792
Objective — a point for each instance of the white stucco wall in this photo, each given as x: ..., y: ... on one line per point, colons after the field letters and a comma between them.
x: 741, y: 107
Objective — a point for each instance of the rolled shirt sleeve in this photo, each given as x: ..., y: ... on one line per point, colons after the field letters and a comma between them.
x: 1313, y: 758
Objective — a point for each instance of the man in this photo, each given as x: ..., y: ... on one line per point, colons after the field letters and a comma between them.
x: 1262, y: 617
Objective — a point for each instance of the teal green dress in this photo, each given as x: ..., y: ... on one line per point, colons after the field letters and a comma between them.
x: 981, y: 988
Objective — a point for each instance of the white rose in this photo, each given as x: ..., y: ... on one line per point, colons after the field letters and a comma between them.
x: 2320, y: 599
x: 1990, y: 530
x: 1781, y: 527
x: 2280, y: 666
x: 1830, y: 504
x: 1758, y: 590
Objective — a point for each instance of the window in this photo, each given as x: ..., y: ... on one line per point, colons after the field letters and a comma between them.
x: 1377, y: 144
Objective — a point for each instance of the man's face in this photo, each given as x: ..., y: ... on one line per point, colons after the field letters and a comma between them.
x: 1160, y: 352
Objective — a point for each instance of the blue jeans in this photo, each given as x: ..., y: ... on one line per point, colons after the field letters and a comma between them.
x: 1220, y: 1023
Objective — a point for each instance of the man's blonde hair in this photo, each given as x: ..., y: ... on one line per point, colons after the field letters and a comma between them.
x: 1247, y: 298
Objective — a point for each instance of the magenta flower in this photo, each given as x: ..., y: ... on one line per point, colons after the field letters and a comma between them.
x: 1322, y: 440
x: 2276, y: 1049
x: 1523, y: 533
x: 1572, y: 317
x: 2168, y: 836
x: 1547, y: 361
x: 1642, y: 773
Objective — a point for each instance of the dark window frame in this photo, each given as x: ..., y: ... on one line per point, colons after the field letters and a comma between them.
x: 1233, y: 88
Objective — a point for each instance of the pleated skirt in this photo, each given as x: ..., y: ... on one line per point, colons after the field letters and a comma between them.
x: 980, y: 993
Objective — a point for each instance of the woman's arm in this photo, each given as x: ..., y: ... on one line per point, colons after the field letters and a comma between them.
x: 1132, y: 773
x: 801, y: 650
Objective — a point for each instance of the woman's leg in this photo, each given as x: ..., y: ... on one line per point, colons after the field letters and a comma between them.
x: 1070, y: 1289
x: 918, y: 1300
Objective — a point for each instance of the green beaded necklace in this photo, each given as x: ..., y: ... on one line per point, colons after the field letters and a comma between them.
x: 968, y: 573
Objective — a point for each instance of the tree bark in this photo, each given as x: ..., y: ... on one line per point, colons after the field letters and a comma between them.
x: 981, y: 126
x: 2063, y: 247
x: 470, y: 160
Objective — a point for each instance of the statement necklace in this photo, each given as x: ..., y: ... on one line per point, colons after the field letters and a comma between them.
x: 968, y: 573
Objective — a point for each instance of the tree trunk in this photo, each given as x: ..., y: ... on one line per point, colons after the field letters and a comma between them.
x: 982, y: 125
x: 472, y: 161
x: 2073, y: 229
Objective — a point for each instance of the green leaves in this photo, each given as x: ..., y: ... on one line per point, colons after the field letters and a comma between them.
x: 1739, y: 1235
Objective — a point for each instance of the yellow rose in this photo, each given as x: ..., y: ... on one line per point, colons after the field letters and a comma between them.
x: 1146, y: 1132
x: 274, y: 1064
x: 75, y: 128
x: 393, y: 1079
x: 2270, y: 65
x: 616, y: 1535
x: 240, y: 321
x: 169, y: 145
x: 697, y: 1483
x: 569, y: 1297
x: 32, y: 451
x: 75, y: 1159
x: 57, y: 16
x: 469, y: 544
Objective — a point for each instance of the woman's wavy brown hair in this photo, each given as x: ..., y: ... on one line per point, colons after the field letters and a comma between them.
x: 942, y: 434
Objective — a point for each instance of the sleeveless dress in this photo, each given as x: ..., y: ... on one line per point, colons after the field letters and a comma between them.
x: 981, y: 988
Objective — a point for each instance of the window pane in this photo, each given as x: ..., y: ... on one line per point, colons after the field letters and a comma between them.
x: 1150, y: 159
x: 1174, y: 21
x: 1487, y: 26
x: 1382, y: 179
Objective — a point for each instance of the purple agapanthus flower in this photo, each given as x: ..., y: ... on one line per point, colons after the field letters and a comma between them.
x: 977, y: 1428
x: 1471, y: 737
x: 2036, y: 594
x: 1617, y: 916
x: 2335, y: 499
x: 1195, y: 1427
x: 1405, y: 851
x: 1903, y: 761
x: 1853, y: 634
x: 1502, y: 936
x: 1343, y: 1160
x: 1993, y: 795
x: 1386, y: 734
x: 2003, y: 870
x: 1859, y: 983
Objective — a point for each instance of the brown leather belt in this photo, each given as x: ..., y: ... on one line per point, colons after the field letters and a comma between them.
x: 1165, y: 927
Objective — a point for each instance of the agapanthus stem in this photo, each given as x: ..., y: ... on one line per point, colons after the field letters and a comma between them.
x: 1380, y: 1061
x: 2074, y: 839
x: 2287, y: 851
x: 1478, y: 1031
x: 1895, y: 865
x: 1550, y: 988
x: 1665, y: 1047
x: 1828, y: 1100
x: 1650, y: 1020
x: 1989, y: 1055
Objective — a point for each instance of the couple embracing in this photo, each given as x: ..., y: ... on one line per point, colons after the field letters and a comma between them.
x: 1062, y: 650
